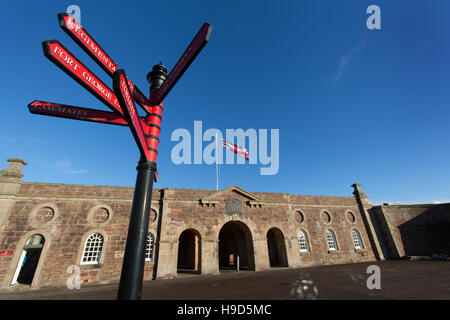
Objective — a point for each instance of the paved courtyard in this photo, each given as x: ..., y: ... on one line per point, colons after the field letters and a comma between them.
x: 399, y: 280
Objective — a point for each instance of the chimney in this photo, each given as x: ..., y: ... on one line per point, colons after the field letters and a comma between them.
x: 14, y: 172
x: 360, y: 195
x: 10, y: 185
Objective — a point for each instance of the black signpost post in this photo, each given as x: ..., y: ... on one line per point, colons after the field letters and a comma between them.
x: 130, y: 286
x: 145, y: 130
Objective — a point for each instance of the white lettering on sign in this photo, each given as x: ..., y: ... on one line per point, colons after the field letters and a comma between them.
x: 92, y: 80
x: 97, y: 85
x: 72, y: 64
x: 61, y: 110
x: 90, y: 43
x: 127, y: 97
x: 75, y: 30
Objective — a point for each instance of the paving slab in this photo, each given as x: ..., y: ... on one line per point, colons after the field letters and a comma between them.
x: 408, y: 280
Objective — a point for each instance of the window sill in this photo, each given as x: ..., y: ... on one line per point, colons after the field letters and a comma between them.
x: 90, y: 266
x: 334, y: 252
x: 361, y: 250
x: 306, y: 253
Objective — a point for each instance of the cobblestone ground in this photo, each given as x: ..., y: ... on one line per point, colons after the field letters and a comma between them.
x: 398, y: 280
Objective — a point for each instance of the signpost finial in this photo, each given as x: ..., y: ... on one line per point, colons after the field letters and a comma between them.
x: 157, y: 76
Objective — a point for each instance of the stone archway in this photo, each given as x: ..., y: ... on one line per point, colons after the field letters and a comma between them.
x: 277, y: 248
x: 236, y: 247
x: 189, y: 252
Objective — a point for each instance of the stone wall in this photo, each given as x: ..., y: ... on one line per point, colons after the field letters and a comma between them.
x: 205, y: 212
x: 410, y: 230
x: 66, y: 215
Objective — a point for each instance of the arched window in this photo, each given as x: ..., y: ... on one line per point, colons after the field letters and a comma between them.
x: 149, y: 247
x: 303, y: 242
x: 357, y: 242
x: 331, y: 240
x: 92, y: 249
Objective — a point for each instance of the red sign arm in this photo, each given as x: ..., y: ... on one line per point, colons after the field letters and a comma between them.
x: 67, y: 62
x: 185, y: 61
x: 96, y: 52
x: 87, y: 43
x: 123, y: 93
x: 77, y: 113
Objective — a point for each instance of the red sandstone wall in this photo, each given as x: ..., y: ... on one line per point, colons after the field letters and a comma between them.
x: 74, y: 220
x: 415, y: 229
x: 66, y: 233
x: 277, y: 211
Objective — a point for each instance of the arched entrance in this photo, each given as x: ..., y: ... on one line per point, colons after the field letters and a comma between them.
x: 28, y: 260
x: 189, y: 252
x: 277, y: 248
x: 236, y: 247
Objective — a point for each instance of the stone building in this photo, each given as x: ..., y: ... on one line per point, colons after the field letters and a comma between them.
x: 413, y: 230
x: 48, y: 231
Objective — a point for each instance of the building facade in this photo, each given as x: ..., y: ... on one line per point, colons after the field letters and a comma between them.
x: 413, y: 230
x: 51, y: 232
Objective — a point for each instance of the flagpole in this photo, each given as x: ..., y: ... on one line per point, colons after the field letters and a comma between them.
x: 217, y: 165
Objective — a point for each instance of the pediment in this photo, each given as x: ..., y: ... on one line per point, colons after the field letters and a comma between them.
x: 214, y: 199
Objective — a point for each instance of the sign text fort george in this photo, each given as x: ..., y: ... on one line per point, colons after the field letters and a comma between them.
x: 65, y: 60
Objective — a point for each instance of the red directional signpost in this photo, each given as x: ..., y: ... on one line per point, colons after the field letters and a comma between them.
x: 185, y: 61
x: 67, y: 62
x: 93, y: 49
x: 123, y: 92
x: 78, y: 113
x: 145, y: 130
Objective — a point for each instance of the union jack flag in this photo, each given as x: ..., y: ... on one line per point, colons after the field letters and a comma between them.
x: 236, y: 149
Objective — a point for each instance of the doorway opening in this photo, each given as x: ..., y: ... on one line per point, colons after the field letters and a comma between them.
x: 28, y: 260
x: 189, y: 252
x: 236, y: 247
x: 277, y: 248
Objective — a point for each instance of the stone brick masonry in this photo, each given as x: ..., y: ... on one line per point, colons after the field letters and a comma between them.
x: 257, y: 231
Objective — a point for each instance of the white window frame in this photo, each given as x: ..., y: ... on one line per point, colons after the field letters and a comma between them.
x: 331, y: 240
x: 149, y: 247
x: 92, y: 249
x: 303, y: 241
x: 357, y: 241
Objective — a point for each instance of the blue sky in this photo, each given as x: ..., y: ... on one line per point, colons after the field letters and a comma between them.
x: 352, y: 104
